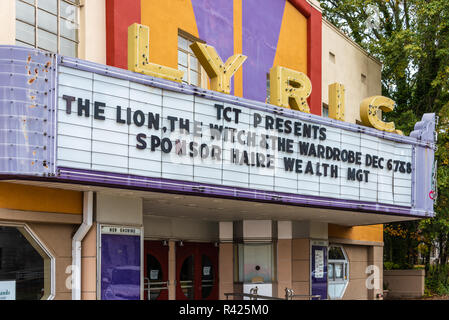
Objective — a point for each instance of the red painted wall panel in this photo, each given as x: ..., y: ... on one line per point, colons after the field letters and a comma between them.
x: 119, y: 15
x: 314, y: 66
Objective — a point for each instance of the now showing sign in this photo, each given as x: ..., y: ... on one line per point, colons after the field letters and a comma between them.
x: 112, y: 125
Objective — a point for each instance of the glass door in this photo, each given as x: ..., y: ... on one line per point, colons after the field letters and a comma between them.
x: 197, y: 278
x: 156, y: 271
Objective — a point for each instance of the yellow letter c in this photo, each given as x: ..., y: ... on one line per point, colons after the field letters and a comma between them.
x: 369, y: 115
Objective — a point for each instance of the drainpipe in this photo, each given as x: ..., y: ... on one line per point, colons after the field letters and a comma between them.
x: 88, y: 200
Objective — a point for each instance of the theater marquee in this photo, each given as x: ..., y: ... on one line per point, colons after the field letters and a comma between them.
x: 114, y: 125
x: 99, y: 124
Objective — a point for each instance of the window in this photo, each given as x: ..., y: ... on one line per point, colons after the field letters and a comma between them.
x: 338, y: 272
x: 255, y: 263
x: 48, y: 24
x: 325, y: 111
x: 25, y: 267
x: 363, y: 78
x: 194, y: 74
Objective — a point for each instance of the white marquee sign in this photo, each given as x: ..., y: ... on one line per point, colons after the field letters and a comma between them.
x: 113, y: 125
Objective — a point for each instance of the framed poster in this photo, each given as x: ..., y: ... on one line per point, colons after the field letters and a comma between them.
x: 120, y: 263
x: 319, y: 264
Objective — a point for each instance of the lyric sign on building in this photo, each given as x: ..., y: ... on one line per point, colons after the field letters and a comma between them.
x: 112, y: 125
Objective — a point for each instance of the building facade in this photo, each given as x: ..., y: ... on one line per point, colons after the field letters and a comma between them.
x: 260, y: 170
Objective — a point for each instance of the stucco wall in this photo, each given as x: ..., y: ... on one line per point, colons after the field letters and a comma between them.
x: 176, y: 228
x: 92, y: 33
x: 404, y: 283
x: 226, y: 269
x: 284, y: 266
x: 346, y: 66
x: 58, y: 240
x: 7, y: 22
x: 358, y: 261
x: 114, y: 209
x: 301, y: 266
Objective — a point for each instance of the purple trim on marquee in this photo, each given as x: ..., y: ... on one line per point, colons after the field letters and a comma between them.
x: 195, y: 188
x: 262, y: 22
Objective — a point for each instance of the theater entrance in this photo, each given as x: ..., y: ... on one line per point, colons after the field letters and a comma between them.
x: 196, y: 271
x: 156, y: 270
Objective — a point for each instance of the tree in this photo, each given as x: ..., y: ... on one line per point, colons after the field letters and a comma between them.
x: 411, y: 38
x: 437, y: 229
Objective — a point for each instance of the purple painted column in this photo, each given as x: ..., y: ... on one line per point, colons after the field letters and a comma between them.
x: 262, y: 22
x: 215, y: 22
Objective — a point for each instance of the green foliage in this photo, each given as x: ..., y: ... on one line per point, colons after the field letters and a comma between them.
x: 419, y: 267
x: 437, y: 279
x: 436, y: 230
x: 388, y: 265
x: 411, y: 39
x: 401, y: 244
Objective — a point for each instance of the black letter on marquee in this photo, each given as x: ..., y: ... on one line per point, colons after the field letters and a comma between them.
x: 184, y: 124
x: 322, y: 134
x: 309, y: 168
x: 288, y: 126
x: 84, y: 107
x: 139, y: 118
x: 155, y: 142
x: 307, y: 130
x: 140, y: 139
x: 99, y: 111
x: 351, y: 174
x: 68, y: 103
x: 315, y: 131
x: 257, y: 119
x: 219, y: 108
x: 153, y: 121
x: 288, y: 164
x: 269, y: 122
x: 237, y: 112
x: 119, y: 115
x: 172, y: 122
